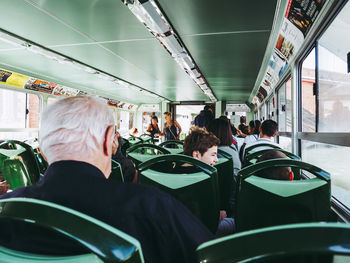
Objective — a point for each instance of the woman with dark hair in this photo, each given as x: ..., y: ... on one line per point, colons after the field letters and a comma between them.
x: 153, y: 128
x: 222, y: 130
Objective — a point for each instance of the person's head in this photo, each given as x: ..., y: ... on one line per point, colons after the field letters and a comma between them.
x: 202, y: 145
x: 275, y: 173
x: 222, y: 130
x: 154, y: 120
x: 208, y: 107
x: 223, y: 117
x: 268, y: 128
x: 78, y: 128
x: 242, y: 119
x: 254, y: 127
x: 167, y: 116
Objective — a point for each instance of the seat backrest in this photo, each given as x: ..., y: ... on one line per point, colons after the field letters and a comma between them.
x: 253, y: 148
x: 146, y: 138
x: 263, y: 202
x: 28, y: 158
x: 278, y: 242
x: 253, y: 157
x: 198, y: 191
x: 105, y: 241
x: 15, y: 174
x: 142, y: 152
x: 226, y: 181
x: 12, y: 256
x: 172, y: 144
x: 116, y: 173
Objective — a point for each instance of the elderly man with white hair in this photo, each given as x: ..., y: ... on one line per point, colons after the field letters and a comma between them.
x: 76, y: 136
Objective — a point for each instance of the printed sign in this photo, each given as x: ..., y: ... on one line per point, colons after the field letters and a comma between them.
x: 12, y: 79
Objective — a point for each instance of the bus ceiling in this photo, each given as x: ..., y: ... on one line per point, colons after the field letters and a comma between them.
x: 142, y: 51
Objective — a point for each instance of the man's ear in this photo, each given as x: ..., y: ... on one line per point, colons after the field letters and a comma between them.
x: 196, y: 155
x: 108, y: 140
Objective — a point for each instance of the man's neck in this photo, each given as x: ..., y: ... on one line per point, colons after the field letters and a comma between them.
x: 95, y: 160
x: 265, y: 136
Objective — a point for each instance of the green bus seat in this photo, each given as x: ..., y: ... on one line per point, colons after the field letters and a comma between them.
x: 174, y: 146
x: 106, y: 242
x: 12, y: 256
x: 253, y: 157
x: 28, y: 158
x: 198, y: 191
x: 252, y: 148
x: 263, y: 202
x: 125, y: 145
x: 226, y: 181
x: 140, y: 153
x: 15, y: 174
x: 146, y: 138
x: 116, y: 173
x: 274, y: 243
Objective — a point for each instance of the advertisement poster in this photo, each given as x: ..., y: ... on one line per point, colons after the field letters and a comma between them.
x: 302, y: 13
x: 65, y: 91
x: 12, y: 79
x: 298, y: 19
x: 40, y: 85
x: 289, y: 40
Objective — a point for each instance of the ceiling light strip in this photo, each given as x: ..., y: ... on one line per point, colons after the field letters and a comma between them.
x: 148, y: 13
x: 34, y: 48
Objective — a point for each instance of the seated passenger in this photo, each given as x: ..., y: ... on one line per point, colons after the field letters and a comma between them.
x: 268, y: 130
x: 128, y: 168
x: 254, y: 131
x: 203, y: 145
x: 222, y: 130
x: 76, y: 136
x: 275, y: 173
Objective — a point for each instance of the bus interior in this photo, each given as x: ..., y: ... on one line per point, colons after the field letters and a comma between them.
x: 281, y: 60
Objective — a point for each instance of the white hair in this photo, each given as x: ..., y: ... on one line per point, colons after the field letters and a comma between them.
x: 74, y: 126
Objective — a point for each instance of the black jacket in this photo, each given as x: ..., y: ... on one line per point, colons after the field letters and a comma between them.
x: 167, y: 231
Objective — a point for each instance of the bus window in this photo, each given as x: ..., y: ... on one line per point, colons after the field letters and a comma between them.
x: 131, y: 120
x: 333, y: 79
x: 289, y: 105
x: 13, y: 115
x: 333, y: 159
x: 124, y: 123
x: 12, y: 109
x: 281, y: 94
x: 271, y: 109
x: 308, y: 96
x: 33, y: 106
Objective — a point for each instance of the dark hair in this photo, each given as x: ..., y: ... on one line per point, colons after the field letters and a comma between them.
x: 167, y: 113
x: 223, y: 117
x: 275, y: 173
x: 154, y: 118
x: 269, y: 127
x: 254, y: 126
x: 242, y: 119
x: 207, y: 107
x: 200, y: 140
x: 221, y: 129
